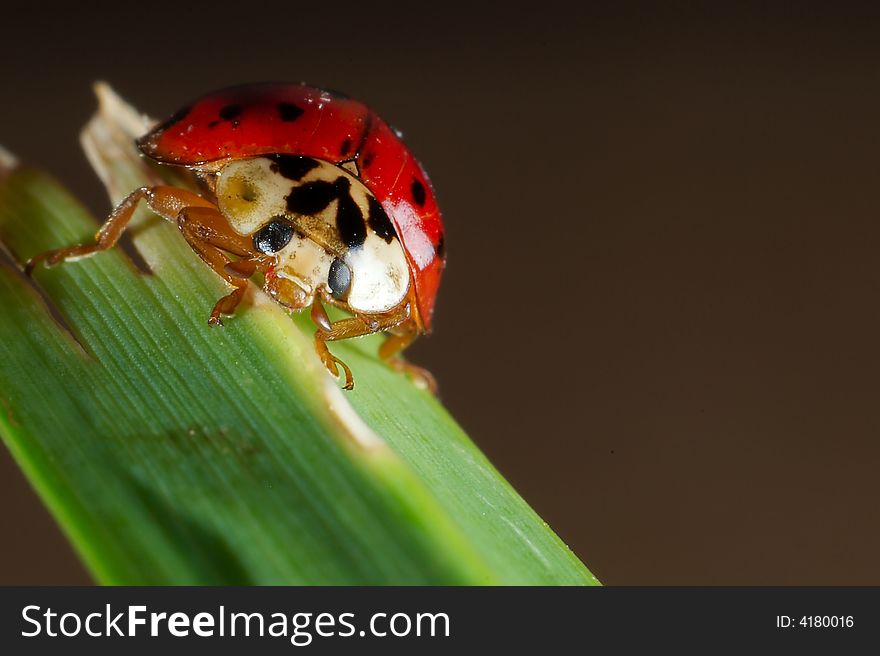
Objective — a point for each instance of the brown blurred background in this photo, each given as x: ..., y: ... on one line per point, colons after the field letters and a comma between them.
x: 660, y: 319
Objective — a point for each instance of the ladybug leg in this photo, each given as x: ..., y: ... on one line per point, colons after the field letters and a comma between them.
x: 390, y: 353
x: 165, y: 201
x: 326, y: 333
x: 208, y: 233
x: 358, y: 327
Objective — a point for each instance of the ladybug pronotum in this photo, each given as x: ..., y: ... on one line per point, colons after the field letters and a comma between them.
x: 310, y: 189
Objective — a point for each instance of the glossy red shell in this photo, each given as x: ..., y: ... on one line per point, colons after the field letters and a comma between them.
x: 301, y: 120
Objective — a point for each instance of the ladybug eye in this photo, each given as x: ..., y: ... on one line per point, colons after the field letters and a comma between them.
x: 273, y: 237
x: 339, y: 279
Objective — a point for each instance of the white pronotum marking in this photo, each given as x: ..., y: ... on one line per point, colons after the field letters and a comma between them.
x: 250, y: 194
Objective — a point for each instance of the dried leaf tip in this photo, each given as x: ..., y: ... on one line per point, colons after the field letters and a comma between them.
x: 8, y: 161
x: 119, y: 113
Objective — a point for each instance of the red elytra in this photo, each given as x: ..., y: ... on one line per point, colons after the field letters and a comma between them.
x: 297, y: 119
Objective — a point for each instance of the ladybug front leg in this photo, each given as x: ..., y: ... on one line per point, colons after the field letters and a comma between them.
x: 347, y: 329
x: 327, y: 332
x: 208, y: 233
x: 165, y: 201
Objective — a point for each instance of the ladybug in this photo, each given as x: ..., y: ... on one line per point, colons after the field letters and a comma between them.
x: 313, y: 191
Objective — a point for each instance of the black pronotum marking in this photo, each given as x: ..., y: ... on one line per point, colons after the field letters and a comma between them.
x: 350, y: 220
x: 418, y: 192
x: 339, y: 279
x: 289, y: 112
x: 379, y: 221
x: 292, y: 167
x: 273, y: 237
x: 314, y: 197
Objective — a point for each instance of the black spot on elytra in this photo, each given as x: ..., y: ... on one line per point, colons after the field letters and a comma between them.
x: 292, y: 167
x: 230, y: 113
x: 379, y: 221
x: 339, y: 279
x: 440, y: 248
x: 368, y: 127
x: 289, y: 112
x: 368, y: 160
x: 175, y: 118
x: 418, y: 192
x: 345, y: 147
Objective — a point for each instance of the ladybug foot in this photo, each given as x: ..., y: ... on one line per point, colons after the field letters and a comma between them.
x: 53, y: 258
x: 226, y: 305
x: 332, y: 363
x: 423, y: 378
